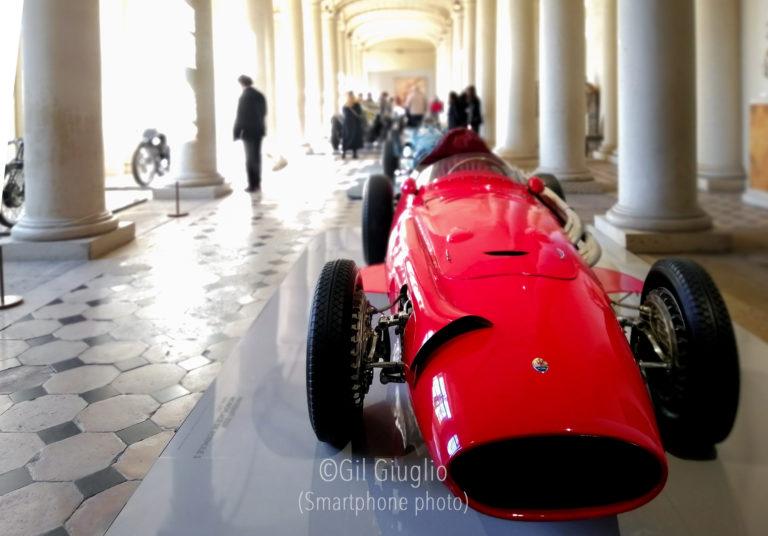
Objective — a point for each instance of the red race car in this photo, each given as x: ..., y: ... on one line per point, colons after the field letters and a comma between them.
x: 541, y: 401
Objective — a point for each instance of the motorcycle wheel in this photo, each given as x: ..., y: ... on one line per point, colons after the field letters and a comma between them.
x: 144, y: 164
x: 12, y: 204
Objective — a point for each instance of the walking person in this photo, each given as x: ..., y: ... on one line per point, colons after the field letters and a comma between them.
x: 251, y: 128
x: 457, y: 111
x: 474, y: 109
x: 352, y: 127
x: 416, y: 107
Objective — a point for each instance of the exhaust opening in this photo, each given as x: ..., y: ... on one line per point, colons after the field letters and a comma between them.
x: 555, y: 472
x: 507, y: 253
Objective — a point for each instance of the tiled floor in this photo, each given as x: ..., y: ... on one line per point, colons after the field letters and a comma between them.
x: 95, y: 380
x: 106, y: 359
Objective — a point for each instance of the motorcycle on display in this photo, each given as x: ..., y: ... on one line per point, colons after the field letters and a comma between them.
x: 12, y: 205
x: 152, y: 158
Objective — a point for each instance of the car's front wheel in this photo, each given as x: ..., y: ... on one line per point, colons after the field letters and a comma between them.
x: 334, y: 384
x: 694, y: 384
x: 378, y: 209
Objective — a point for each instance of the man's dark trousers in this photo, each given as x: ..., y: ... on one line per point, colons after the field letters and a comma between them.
x: 253, y: 161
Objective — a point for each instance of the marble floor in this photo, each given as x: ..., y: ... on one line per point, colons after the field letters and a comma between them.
x: 105, y: 360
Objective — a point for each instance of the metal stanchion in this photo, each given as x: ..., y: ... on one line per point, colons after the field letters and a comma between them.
x: 178, y: 214
x: 6, y: 302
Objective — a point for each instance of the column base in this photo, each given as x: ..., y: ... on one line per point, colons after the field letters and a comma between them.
x: 710, y: 241
x: 733, y: 181
x: 69, y: 250
x: 606, y: 155
x: 168, y: 193
x: 756, y: 198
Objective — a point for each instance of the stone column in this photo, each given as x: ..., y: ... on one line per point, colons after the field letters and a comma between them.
x: 341, y: 47
x: 485, y: 64
x: 64, y: 159
x: 658, y: 210
x: 261, y: 19
x: 194, y: 158
x: 330, y: 67
x: 313, y: 68
x: 562, y: 124
x: 289, y: 71
x: 718, y: 94
x: 457, y: 32
x: 469, y: 41
x: 296, y: 29
x: 608, y: 83
x: 516, y: 117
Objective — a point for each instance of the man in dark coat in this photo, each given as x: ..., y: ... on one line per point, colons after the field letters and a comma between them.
x: 250, y: 127
x: 474, y: 109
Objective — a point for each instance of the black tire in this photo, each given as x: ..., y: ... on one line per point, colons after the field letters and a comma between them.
x: 138, y: 175
x: 378, y: 208
x: 12, y: 195
x: 551, y: 182
x: 334, y: 403
x: 390, y: 160
x: 697, y: 399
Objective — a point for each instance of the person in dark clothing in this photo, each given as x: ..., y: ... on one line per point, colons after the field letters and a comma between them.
x: 474, y: 110
x: 457, y: 113
x: 352, y: 128
x: 251, y: 128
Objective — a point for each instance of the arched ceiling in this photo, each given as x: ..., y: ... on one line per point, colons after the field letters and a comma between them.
x: 370, y: 22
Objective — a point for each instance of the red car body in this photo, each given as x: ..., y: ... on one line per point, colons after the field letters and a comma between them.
x: 521, y: 378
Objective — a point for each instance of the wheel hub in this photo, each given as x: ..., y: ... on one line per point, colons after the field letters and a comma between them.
x: 665, y: 321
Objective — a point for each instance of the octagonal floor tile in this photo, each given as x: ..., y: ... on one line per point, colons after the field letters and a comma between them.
x: 112, y: 352
x: 11, y: 348
x: 110, y: 311
x: 81, y: 379
x: 30, y: 329
x: 38, y: 508
x: 60, y: 310
x: 86, y: 295
x: 20, y: 378
x: 138, y: 458
x: 76, y: 457
x: 84, y: 330
x: 52, y: 352
x: 148, y: 379
x: 172, y: 414
x: 97, y: 513
x: 16, y: 449
x: 116, y: 413
x: 41, y: 413
x: 199, y: 379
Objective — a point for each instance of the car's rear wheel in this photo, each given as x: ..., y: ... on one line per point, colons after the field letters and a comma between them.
x: 551, y: 182
x: 334, y: 383
x: 378, y: 208
x: 390, y: 160
x: 696, y: 396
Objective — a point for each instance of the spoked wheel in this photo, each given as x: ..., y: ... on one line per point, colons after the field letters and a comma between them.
x: 378, y: 209
x: 686, y: 338
x: 12, y: 206
x: 337, y: 343
x: 144, y: 164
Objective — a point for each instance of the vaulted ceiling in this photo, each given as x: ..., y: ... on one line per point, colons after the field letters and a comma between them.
x: 370, y: 22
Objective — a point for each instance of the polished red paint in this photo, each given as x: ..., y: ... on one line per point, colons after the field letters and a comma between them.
x: 542, y: 301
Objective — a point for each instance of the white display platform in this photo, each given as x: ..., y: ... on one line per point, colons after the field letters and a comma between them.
x: 246, y: 461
